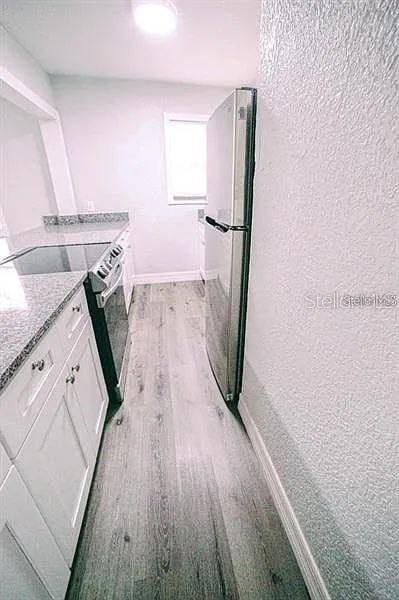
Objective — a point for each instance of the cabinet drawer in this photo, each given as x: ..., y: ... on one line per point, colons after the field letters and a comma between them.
x: 71, y: 321
x: 21, y: 401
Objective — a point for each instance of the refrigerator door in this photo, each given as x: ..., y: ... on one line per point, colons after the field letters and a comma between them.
x: 227, y: 236
x: 223, y: 291
x: 227, y: 156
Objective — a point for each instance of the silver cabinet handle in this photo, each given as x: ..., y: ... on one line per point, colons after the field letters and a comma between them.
x: 76, y: 308
x: 39, y: 365
x: 75, y: 367
x: 70, y: 379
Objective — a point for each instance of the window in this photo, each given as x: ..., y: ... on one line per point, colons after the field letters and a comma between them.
x: 185, y: 142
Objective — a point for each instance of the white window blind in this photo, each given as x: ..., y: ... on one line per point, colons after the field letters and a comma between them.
x: 185, y: 138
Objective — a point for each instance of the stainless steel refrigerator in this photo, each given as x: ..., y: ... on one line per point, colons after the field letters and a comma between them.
x: 230, y: 171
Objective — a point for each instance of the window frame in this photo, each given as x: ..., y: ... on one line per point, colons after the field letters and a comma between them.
x: 189, y: 118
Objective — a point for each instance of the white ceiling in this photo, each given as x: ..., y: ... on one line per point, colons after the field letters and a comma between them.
x: 215, y: 42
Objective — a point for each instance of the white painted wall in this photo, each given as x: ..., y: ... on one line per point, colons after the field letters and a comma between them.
x: 25, y: 192
x: 322, y: 384
x: 114, y: 135
x: 27, y: 86
x: 58, y: 165
x: 24, y: 67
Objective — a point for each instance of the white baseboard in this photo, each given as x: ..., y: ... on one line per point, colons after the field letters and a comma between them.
x: 167, y: 277
x: 303, y: 554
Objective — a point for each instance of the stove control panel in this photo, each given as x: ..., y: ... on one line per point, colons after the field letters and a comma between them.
x: 116, y: 250
x: 101, y: 274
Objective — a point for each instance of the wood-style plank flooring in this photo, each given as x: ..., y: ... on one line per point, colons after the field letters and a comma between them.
x: 179, y: 507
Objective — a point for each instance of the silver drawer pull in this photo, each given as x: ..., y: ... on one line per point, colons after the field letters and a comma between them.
x: 39, y: 365
x: 76, y: 308
x: 70, y: 379
x: 75, y: 367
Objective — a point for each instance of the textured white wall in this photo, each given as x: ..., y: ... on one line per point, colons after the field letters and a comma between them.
x: 114, y: 135
x: 322, y: 384
x: 25, y: 191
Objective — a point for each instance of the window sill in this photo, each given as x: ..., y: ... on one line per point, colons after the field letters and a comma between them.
x: 188, y: 200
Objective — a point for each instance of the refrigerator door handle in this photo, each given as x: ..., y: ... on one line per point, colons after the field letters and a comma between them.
x: 220, y: 226
x: 223, y: 227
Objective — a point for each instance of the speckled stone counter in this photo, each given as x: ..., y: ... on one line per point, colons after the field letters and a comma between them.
x: 29, y: 305
x: 77, y: 233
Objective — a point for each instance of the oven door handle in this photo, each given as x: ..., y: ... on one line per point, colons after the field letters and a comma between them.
x: 103, y: 298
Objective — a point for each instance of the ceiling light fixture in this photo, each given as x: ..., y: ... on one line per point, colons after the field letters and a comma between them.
x: 157, y: 18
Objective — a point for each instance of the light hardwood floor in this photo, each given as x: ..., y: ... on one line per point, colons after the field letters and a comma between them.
x: 179, y: 507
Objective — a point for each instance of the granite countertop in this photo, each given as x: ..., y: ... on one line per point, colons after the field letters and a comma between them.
x: 54, y: 235
x: 29, y: 304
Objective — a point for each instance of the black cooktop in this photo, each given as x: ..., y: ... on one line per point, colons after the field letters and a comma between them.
x: 56, y: 259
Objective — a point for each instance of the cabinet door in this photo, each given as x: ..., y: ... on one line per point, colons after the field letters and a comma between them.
x: 131, y: 263
x: 128, y: 278
x: 89, y: 384
x: 31, y: 564
x: 5, y: 464
x: 126, y: 283
x: 57, y: 463
x: 201, y: 245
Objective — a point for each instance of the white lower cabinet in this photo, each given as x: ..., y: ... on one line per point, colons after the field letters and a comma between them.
x: 125, y: 240
x: 31, y: 564
x: 201, y: 244
x: 23, y: 399
x: 57, y: 462
x: 48, y: 458
x: 89, y: 385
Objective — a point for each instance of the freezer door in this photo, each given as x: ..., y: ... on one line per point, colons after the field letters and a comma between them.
x: 226, y: 158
